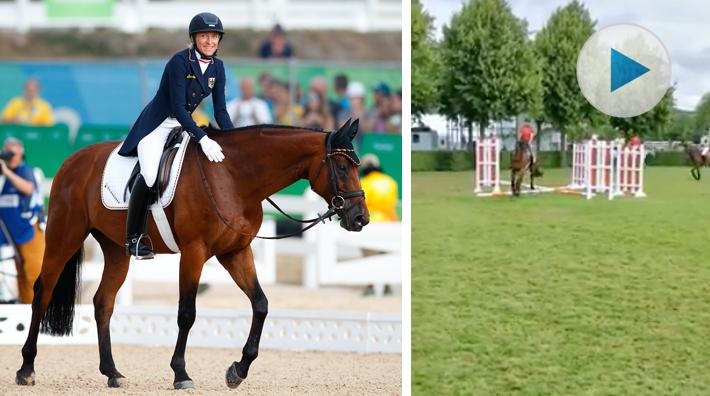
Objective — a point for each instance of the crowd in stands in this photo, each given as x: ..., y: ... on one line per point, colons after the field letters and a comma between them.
x: 281, y: 102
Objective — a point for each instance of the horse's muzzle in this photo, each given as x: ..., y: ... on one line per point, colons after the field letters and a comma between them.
x: 354, y: 224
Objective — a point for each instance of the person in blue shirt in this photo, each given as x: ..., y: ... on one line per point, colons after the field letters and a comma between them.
x: 20, y: 212
x: 190, y: 76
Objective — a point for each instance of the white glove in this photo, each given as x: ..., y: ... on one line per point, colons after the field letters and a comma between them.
x: 212, y: 149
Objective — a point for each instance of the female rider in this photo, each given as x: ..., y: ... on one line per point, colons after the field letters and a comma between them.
x: 190, y: 76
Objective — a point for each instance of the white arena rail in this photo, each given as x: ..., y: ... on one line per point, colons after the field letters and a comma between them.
x: 221, y: 328
x: 139, y: 15
x: 331, y: 255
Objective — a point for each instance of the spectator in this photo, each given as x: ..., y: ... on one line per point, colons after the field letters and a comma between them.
x: 320, y: 85
x: 276, y: 46
x: 249, y: 110
x: 381, y: 190
x: 356, y: 106
x: 317, y: 114
x: 381, y: 197
x: 29, y: 109
x: 21, y: 213
x: 341, y: 90
x: 265, y: 80
x: 378, y: 116
x: 285, y: 111
x: 394, y: 122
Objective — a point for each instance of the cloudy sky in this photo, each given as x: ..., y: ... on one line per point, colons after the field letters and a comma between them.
x: 682, y: 25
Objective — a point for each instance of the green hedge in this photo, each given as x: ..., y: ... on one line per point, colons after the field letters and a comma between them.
x: 462, y: 160
x: 441, y: 160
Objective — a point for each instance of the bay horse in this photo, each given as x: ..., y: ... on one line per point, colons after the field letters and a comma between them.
x: 520, y: 162
x: 697, y: 160
x: 216, y: 212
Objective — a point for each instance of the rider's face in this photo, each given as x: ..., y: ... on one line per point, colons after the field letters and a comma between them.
x: 207, y: 42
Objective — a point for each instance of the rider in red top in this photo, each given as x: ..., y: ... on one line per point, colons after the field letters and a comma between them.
x: 525, y: 139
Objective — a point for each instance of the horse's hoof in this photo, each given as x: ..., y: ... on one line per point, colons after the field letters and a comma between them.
x: 233, y: 379
x: 116, y: 382
x: 187, y: 384
x: 25, y: 380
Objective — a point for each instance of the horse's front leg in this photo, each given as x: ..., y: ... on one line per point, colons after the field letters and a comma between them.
x: 240, y: 266
x: 115, y: 270
x: 190, y: 270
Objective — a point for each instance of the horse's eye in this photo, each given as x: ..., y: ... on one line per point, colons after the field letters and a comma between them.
x: 342, y: 167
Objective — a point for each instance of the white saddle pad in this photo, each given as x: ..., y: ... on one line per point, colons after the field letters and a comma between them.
x: 118, y: 170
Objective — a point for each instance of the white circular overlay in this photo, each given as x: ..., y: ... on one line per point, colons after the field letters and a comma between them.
x: 623, y: 70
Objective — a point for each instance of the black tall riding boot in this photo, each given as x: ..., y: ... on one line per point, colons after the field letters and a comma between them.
x: 136, y: 222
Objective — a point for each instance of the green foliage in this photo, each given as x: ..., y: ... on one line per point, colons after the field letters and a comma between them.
x: 441, y: 160
x: 489, y: 71
x: 649, y: 123
x: 682, y: 127
x: 702, y: 114
x: 557, y: 295
x: 425, y: 62
x: 558, y: 45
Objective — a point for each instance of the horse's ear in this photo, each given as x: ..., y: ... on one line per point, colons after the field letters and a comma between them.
x: 345, y: 126
x: 353, y: 129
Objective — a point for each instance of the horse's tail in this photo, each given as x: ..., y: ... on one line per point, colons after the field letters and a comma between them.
x: 59, y: 317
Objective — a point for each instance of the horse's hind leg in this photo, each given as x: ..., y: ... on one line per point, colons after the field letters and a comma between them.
x: 60, y: 269
x: 240, y: 266
x: 191, y: 263
x: 115, y: 270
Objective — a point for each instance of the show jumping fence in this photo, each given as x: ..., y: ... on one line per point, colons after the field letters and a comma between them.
x: 598, y: 167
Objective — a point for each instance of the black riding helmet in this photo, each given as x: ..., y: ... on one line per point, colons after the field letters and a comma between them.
x: 205, y: 22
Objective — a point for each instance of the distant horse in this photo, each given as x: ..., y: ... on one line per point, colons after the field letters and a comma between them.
x: 697, y: 160
x: 216, y: 212
x: 521, y: 161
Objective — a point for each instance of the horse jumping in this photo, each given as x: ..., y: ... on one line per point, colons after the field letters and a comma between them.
x: 216, y: 212
x: 697, y: 160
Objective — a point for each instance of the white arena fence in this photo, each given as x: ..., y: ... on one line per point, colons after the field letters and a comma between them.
x: 139, y: 15
x: 221, y: 328
x: 330, y: 254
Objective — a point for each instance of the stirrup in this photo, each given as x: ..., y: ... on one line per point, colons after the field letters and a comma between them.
x: 140, y: 251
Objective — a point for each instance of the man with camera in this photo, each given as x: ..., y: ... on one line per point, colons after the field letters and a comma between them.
x: 20, y: 212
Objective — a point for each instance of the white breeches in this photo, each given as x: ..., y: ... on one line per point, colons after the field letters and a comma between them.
x: 150, y: 149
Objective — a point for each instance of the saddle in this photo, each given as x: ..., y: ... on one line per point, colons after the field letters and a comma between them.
x: 172, y: 144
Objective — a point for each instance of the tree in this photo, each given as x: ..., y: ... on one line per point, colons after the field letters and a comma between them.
x: 558, y: 45
x: 488, y: 68
x: 425, y: 62
x: 649, y: 123
x: 702, y: 114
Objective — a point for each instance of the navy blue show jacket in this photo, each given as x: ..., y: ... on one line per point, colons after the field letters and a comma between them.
x: 182, y: 88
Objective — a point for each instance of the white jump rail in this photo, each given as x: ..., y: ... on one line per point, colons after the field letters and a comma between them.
x: 220, y: 328
x: 487, y: 167
x: 607, y: 167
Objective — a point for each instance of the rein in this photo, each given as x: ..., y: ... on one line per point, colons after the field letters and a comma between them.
x: 337, y: 202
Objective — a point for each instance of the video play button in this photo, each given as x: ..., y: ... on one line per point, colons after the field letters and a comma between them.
x: 623, y: 70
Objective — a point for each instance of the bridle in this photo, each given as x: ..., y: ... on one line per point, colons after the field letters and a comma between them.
x: 337, y: 202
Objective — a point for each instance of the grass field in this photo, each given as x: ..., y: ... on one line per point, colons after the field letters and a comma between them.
x: 557, y: 295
